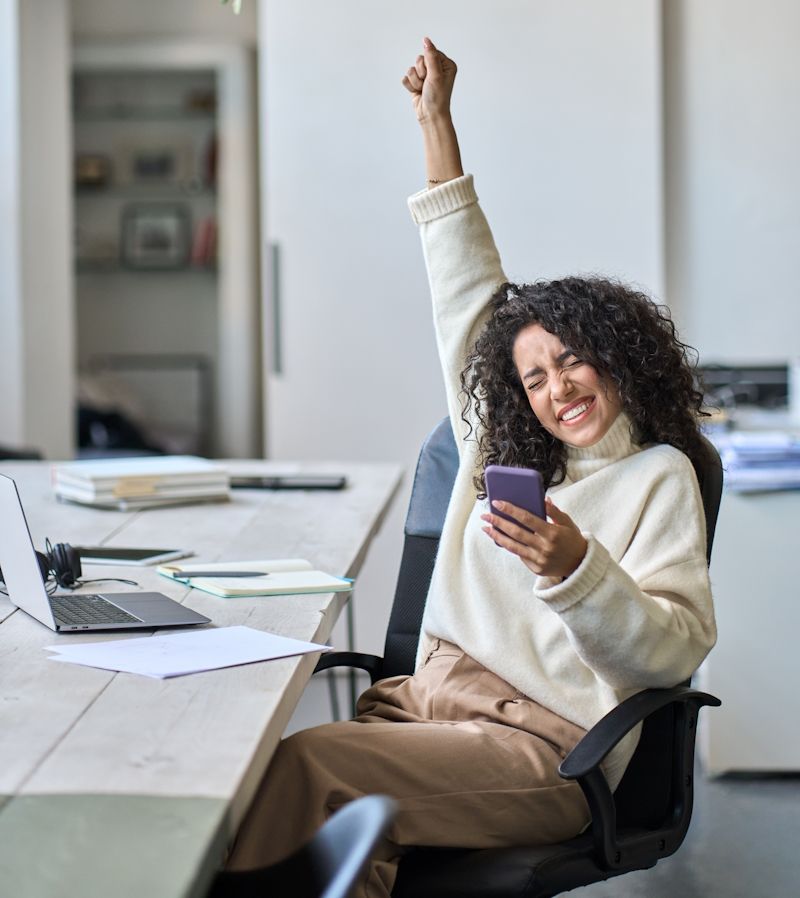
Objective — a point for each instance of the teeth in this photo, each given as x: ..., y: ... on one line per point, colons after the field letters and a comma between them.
x: 574, y: 412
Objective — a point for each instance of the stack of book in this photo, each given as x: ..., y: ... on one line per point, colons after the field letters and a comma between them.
x: 133, y: 483
x: 759, y: 461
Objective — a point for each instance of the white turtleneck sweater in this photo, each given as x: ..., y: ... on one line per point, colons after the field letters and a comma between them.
x: 637, y: 612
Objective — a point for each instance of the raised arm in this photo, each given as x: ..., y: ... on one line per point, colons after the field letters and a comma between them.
x: 430, y: 81
x: 463, y: 265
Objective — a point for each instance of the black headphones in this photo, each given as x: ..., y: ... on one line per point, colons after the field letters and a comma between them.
x: 62, y: 562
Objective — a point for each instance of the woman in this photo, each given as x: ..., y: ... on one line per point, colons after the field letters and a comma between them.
x: 529, y: 636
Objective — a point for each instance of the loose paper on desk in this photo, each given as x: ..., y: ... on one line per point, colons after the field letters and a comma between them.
x: 175, y: 654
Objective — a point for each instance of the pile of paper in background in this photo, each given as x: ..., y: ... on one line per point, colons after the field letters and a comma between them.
x: 759, y: 461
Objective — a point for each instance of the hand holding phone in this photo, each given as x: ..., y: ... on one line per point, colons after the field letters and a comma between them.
x: 521, y: 486
x: 554, y: 550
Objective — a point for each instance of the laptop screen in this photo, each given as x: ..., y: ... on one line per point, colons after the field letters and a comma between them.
x: 21, y: 572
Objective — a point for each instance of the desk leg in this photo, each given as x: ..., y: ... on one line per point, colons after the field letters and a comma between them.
x: 351, y: 641
x: 333, y: 692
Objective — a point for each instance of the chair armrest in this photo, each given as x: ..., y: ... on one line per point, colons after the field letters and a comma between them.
x: 607, y: 732
x: 613, y: 851
x: 372, y: 664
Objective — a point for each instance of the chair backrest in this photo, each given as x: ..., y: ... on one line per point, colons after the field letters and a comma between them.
x: 709, y: 477
x: 330, y: 865
x: 341, y: 849
x: 647, y: 791
x: 430, y: 495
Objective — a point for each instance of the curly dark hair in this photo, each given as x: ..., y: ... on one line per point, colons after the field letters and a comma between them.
x: 630, y: 341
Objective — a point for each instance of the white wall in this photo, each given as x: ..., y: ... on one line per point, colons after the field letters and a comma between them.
x: 733, y: 145
x: 36, y: 316
x: 11, y: 355
x: 46, y: 168
x: 559, y: 108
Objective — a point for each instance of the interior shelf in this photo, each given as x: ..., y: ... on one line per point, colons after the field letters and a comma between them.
x: 116, y: 268
x: 140, y: 114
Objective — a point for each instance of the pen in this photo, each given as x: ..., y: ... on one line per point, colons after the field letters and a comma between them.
x: 190, y: 575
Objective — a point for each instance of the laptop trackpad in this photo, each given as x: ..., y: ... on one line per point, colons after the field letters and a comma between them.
x: 155, y: 608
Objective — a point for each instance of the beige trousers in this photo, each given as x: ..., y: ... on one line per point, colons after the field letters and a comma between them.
x: 470, y: 761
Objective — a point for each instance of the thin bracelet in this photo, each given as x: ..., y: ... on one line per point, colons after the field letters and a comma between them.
x: 435, y: 181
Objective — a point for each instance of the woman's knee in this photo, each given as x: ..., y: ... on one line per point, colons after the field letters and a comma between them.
x: 320, y: 753
x: 295, y: 752
x: 314, y: 740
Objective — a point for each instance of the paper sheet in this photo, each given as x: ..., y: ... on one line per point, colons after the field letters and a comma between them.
x: 176, y: 654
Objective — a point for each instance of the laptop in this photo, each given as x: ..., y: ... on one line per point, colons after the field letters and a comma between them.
x: 73, y: 612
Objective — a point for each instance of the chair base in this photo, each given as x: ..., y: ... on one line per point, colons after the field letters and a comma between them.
x: 526, y: 872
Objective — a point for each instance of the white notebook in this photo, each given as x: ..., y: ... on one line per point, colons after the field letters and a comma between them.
x: 284, y: 576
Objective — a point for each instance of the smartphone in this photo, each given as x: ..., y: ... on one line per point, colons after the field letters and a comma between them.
x: 112, y: 555
x: 289, y: 482
x: 521, y: 486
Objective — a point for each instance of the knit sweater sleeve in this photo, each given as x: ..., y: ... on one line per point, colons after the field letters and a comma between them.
x: 648, y: 620
x: 464, y: 272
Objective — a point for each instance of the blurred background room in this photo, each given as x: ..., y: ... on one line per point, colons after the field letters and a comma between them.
x: 206, y: 250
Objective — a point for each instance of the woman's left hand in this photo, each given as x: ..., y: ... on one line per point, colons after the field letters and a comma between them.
x: 555, y: 548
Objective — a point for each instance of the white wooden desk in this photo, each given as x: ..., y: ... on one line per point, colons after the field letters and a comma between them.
x: 120, y: 785
x: 755, y: 666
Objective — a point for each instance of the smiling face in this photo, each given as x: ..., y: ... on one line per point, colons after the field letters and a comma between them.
x: 570, y: 399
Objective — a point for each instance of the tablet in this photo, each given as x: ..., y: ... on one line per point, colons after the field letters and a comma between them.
x: 289, y: 482
x: 116, y: 555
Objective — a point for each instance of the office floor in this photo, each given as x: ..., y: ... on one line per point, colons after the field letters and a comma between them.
x: 744, y: 841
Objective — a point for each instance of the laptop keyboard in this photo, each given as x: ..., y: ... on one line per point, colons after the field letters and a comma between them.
x: 80, y: 610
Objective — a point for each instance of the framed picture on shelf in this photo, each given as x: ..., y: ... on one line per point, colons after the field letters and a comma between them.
x: 156, y: 236
x: 162, y: 164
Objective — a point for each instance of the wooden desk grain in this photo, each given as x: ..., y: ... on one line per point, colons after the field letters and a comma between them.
x: 125, y: 785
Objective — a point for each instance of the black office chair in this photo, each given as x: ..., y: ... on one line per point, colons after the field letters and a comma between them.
x: 647, y: 817
x: 327, y: 867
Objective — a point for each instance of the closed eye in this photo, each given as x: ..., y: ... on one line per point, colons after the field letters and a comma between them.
x: 566, y: 360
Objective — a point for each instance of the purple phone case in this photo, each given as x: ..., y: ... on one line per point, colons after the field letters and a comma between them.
x: 521, y: 486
